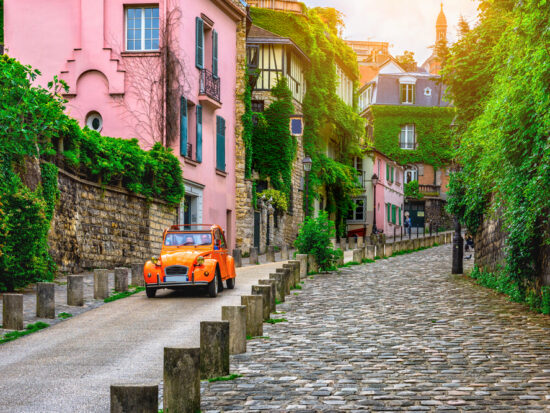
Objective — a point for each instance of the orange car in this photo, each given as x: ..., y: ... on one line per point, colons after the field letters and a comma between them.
x: 191, y: 255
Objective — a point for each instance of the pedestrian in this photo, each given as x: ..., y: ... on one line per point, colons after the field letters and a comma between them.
x: 408, y: 223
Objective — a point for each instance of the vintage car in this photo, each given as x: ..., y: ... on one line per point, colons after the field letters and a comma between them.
x: 191, y: 255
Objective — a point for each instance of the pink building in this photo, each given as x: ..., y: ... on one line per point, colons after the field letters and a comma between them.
x: 160, y: 71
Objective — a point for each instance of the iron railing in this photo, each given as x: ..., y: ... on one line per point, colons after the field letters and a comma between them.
x: 209, y: 85
x: 189, y: 151
x: 433, y: 190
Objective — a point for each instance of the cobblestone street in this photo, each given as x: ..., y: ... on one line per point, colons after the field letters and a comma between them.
x: 400, y: 334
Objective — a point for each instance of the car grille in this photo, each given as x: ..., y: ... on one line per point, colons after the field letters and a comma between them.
x: 176, y: 270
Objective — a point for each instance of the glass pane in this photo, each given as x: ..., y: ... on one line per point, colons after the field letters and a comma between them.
x: 147, y: 44
x: 156, y: 23
x: 130, y: 13
x: 130, y: 23
x: 155, y: 34
x: 147, y: 23
x: 155, y: 12
x: 137, y: 13
x: 155, y: 44
x: 148, y: 13
x: 129, y: 45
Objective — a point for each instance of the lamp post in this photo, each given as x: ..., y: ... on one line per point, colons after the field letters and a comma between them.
x: 306, y: 162
x: 374, y: 180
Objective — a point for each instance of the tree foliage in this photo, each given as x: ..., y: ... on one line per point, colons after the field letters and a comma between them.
x: 499, y: 77
x: 406, y: 60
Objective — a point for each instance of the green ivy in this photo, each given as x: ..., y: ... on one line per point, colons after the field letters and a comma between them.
x: 278, y: 199
x: 273, y: 147
x: 248, y: 129
x: 433, y: 137
x: 412, y: 191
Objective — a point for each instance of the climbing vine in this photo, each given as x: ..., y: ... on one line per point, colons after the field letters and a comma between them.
x: 248, y: 129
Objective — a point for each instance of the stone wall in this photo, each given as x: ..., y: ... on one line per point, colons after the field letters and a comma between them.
x: 489, y: 245
x: 436, y: 214
x: 95, y: 227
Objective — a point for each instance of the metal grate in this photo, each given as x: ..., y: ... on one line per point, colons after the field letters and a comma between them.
x: 176, y: 270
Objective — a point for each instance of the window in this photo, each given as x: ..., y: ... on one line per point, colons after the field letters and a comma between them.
x: 407, y: 138
x: 407, y: 93
x: 410, y: 175
x: 142, y: 28
x: 427, y: 92
x: 358, y: 211
x: 94, y: 121
x: 257, y: 106
x: 220, y: 143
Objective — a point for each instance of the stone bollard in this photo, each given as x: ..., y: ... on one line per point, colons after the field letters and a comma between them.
x: 214, y: 358
x: 279, y: 286
x: 360, y: 243
x: 265, y: 292
x: 254, y: 314
x: 294, y: 267
x: 284, y: 252
x: 238, y: 257
x: 121, y: 279
x: 287, y: 279
x: 357, y: 255
x: 253, y: 256
x: 389, y: 250
x: 352, y: 241
x: 270, y: 254
x: 236, y: 315
x: 101, y: 284
x: 343, y: 244
x: 312, y: 267
x: 75, y: 290
x: 303, y: 264
x: 12, y: 312
x: 182, y: 383
x: 137, y: 275
x: 134, y: 398
x: 45, y: 300
x: 369, y: 252
x: 273, y: 285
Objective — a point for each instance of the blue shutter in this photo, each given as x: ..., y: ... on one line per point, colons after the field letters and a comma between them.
x: 220, y: 143
x: 183, y: 126
x: 214, y: 52
x: 199, y: 133
x: 199, y: 43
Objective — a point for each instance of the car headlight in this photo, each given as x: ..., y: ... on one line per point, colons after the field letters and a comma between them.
x: 155, y: 260
x: 200, y: 260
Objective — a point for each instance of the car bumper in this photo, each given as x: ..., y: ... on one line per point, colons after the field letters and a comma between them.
x: 177, y: 284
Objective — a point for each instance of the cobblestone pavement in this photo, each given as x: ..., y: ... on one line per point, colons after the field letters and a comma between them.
x: 399, y: 335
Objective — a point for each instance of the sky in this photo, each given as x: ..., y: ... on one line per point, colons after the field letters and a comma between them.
x: 404, y: 24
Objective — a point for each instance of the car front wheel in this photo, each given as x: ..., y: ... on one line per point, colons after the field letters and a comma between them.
x: 213, y: 285
x: 151, y: 292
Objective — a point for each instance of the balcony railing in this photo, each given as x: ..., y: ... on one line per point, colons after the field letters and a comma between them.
x: 189, y: 151
x: 430, y: 190
x: 209, y: 85
x: 280, y: 5
x: 362, y: 176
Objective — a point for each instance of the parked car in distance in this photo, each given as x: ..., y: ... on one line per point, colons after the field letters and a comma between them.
x: 191, y: 255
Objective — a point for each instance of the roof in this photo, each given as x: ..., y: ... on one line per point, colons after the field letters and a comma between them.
x: 441, y: 19
x: 257, y: 35
x: 367, y: 73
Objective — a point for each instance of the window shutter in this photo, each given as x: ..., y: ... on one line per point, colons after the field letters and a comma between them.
x: 214, y: 52
x: 199, y: 133
x: 388, y: 215
x: 199, y: 43
x: 183, y: 126
x: 393, y: 214
x: 387, y: 173
x: 392, y: 173
x: 220, y: 143
x: 399, y: 212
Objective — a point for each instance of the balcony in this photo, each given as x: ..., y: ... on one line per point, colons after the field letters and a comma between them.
x: 430, y: 190
x: 209, y: 89
x: 363, y: 180
x: 278, y: 5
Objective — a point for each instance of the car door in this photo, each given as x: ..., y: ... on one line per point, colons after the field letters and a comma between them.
x: 221, y: 253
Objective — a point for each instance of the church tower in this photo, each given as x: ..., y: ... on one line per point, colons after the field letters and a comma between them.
x: 433, y: 64
x: 441, y: 26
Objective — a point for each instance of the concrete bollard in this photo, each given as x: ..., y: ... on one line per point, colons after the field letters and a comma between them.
x: 312, y: 267
x: 254, y: 314
x: 214, y: 358
x: 343, y: 244
x: 238, y: 257
x: 182, y: 383
x: 236, y: 315
x: 265, y: 292
x: 134, y: 398
x: 101, y: 284
x: 369, y: 252
x: 137, y: 275
x: 294, y: 267
x: 389, y: 250
x: 273, y: 285
x: 352, y: 241
x: 75, y: 290
x: 12, y: 312
x: 253, y: 256
x: 279, y: 286
x: 45, y: 300
x: 357, y: 255
x: 303, y: 264
x: 287, y: 279
x: 284, y: 252
x: 121, y: 279
x: 360, y: 243
x: 270, y: 254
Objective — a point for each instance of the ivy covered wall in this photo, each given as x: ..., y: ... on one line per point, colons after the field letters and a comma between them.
x: 433, y: 133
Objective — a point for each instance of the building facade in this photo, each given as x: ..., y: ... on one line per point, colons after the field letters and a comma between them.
x: 157, y: 71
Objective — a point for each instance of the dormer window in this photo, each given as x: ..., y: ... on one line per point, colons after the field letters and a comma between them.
x: 427, y: 92
x: 407, y: 90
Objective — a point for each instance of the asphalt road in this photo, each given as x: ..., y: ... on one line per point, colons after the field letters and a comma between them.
x: 70, y: 366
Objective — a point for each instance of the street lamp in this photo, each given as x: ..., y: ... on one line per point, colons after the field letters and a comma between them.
x: 306, y: 162
x: 374, y: 180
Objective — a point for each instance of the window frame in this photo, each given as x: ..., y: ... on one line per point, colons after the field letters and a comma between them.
x: 406, y: 142
x: 142, y: 28
x: 353, y: 210
x: 409, y: 96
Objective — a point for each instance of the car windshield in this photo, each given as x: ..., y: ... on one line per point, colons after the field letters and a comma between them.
x: 179, y: 239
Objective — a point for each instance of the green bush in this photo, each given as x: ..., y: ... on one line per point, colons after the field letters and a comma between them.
x: 314, y: 238
x: 412, y: 191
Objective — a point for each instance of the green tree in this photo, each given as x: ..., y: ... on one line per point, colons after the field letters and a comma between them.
x: 406, y: 60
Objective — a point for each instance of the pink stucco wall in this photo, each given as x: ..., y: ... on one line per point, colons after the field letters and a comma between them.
x: 388, y: 192
x: 82, y: 41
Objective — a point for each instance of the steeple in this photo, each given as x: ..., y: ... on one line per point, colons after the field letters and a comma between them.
x: 441, y: 26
